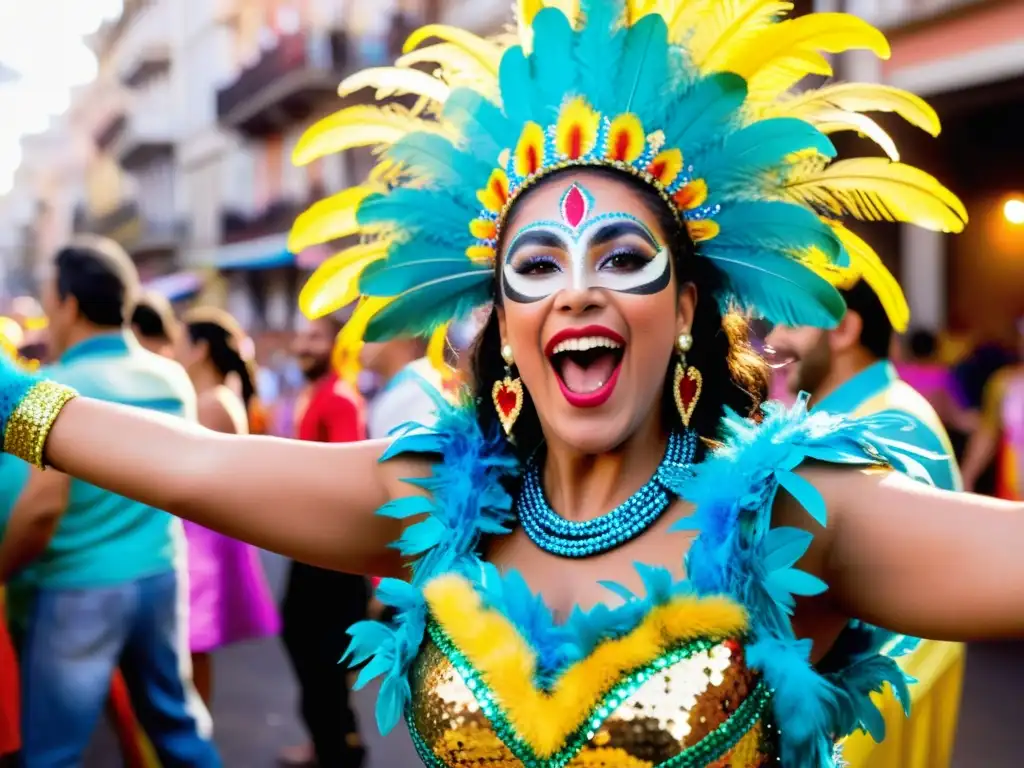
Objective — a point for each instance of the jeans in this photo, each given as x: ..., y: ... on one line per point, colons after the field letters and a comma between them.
x: 73, y: 641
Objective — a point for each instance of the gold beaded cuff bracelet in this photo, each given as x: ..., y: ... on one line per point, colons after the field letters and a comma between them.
x: 30, y: 424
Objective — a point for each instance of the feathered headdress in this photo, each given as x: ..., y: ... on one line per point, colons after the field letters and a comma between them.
x: 690, y: 96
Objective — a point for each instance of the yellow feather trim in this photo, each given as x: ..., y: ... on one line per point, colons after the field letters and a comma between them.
x: 787, y: 41
x: 388, y: 82
x: 692, y: 195
x: 701, y: 231
x: 530, y: 150
x: 666, y: 166
x: 875, y: 189
x: 360, y: 126
x: 838, y: 120
x: 483, y: 229
x: 329, y: 219
x: 725, y: 27
x: 625, y: 139
x: 859, y: 97
x: 481, y: 254
x: 494, y: 196
x: 437, y: 352
x: 576, y: 130
x: 867, y: 264
x: 507, y: 663
x: 335, y: 283
x: 349, y: 343
x: 483, y: 51
x: 456, y: 66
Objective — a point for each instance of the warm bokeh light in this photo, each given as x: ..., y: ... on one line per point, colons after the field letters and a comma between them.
x: 1013, y: 211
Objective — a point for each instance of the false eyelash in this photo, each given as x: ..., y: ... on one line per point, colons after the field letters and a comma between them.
x: 532, y: 262
x: 639, y: 259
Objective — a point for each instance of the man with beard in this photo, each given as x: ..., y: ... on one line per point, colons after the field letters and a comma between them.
x: 847, y: 371
x: 320, y: 605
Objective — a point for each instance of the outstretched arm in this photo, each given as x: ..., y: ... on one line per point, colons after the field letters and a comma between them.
x: 920, y: 561
x: 314, y: 502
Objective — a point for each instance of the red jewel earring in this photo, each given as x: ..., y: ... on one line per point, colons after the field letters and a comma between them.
x: 687, y: 382
x: 507, y: 394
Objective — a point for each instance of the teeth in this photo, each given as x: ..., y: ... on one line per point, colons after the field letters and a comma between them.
x: 585, y: 343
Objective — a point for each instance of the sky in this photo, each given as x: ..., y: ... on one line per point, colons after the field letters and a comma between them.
x: 42, y: 42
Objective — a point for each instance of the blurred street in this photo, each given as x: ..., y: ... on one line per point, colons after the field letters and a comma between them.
x: 256, y: 715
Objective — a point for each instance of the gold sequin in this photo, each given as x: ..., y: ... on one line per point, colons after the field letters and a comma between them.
x: 671, y: 711
x: 30, y: 424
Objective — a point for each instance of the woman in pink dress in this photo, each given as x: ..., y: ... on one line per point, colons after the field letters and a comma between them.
x: 230, y: 599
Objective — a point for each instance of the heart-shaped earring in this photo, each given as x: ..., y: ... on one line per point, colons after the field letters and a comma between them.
x: 507, y: 394
x: 687, y: 382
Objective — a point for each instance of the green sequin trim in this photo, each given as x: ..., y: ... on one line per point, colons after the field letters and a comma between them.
x: 713, y: 746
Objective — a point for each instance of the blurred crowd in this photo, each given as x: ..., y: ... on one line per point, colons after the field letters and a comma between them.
x: 95, y: 583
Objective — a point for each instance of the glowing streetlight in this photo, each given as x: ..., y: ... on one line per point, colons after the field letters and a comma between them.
x: 1013, y: 211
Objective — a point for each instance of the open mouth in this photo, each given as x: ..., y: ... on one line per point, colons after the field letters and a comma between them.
x: 587, y: 367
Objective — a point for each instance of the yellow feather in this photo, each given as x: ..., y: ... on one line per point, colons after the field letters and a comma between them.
x: 458, y: 67
x: 359, y: 126
x: 860, y: 97
x: 392, y: 81
x: 349, y: 343
x: 875, y: 189
x: 328, y: 219
x: 335, y: 284
x: 485, y: 52
x: 837, y: 120
x: 788, y: 40
x: 437, y: 349
x: 729, y: 25
x: 867, y: 264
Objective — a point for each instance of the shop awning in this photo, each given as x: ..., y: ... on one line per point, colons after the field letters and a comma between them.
x: 268, y: 252
x: 176, y: 286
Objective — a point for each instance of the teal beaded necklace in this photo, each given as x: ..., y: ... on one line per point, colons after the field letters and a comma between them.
x: 570, y: 538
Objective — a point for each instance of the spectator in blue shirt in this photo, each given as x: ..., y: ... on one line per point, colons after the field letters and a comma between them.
x: 104, y: 569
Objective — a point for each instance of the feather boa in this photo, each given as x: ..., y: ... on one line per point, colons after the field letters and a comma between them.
x: 736, y: 554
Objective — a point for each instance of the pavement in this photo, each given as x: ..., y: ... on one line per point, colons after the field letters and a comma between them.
x: 255, y: 712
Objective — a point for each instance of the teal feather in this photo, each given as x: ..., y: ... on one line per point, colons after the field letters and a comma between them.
x: 427, y: 214
x: 384, y: 278
x: 516, y: 84
x: 439, y: 159
x: 484, y: 128
x: 755, y: 150
x: 597, y: 52
x: 783, y: 227
x: 776, y: 287
x: 551, y: 68
x: 706, y: 110
x: 642, y: 71
x: 419, y: 310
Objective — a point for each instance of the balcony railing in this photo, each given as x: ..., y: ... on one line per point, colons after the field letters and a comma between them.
x: 137, y: 232
x: 276, y: 218
x: 148, y: 132
x: 286, y: 82
x: 145, y: 46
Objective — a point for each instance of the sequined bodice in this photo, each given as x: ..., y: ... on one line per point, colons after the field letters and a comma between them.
x: 697, y: 705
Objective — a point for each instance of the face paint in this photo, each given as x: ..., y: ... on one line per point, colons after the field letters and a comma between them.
x: 545, y: 257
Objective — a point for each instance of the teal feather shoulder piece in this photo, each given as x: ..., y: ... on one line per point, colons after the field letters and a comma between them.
x: 688, y: 96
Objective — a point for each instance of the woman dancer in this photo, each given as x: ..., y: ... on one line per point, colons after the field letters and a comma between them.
x: 619, y: 554
x: 229, y: 599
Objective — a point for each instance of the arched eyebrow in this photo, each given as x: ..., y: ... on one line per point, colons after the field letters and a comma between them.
x: 615, y: 230
x: 536, y: 238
